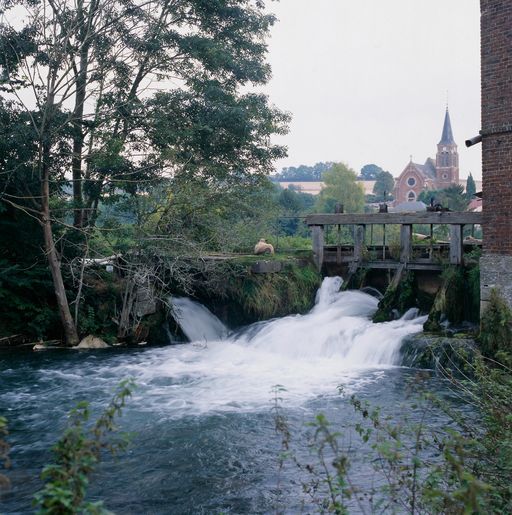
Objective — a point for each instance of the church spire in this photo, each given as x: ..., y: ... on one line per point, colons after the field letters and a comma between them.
x: 447, y: 136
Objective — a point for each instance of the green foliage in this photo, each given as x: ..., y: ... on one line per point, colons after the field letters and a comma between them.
x: 292, y: 205
x: 470, y: 187
x: 340, y: 185
x: 399, y: 298
x: 495, y: 326
x: 464, y: 468
x: 4, y: 454
x: 370, y: 172
x: 384, y: 185
x: 77, y: 453
x: 458, y: 298
x: 270, y: 295
x: 452, y: 197
x: 303, y: 173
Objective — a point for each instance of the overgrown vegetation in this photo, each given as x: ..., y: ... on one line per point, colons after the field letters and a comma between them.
x: 397, y: 299
x: 77, y: 453
x: 496, y: 331
x: 465, y: 467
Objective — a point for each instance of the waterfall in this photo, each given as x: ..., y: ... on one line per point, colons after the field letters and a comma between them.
x: 336, y: 343
x: 196, y: 321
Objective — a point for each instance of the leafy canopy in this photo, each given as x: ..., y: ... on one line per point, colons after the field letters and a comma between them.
x: 341, y: 186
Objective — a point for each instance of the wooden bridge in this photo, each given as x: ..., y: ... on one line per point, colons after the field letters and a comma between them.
x: 400, y: 253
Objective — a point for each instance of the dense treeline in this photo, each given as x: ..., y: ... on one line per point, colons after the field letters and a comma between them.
x: 105, y: 103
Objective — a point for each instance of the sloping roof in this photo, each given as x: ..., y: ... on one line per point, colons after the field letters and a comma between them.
x: 426, y: 170
x: 447, y: 136
x: 408, y: 207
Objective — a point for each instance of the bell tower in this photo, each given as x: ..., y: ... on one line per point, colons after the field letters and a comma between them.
x: 447, y: 158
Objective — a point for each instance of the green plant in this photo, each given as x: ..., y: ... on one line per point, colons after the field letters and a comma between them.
x: 495, y: 326
x: 77, y: 453
x: 4, y: 453
x: 465, y: 468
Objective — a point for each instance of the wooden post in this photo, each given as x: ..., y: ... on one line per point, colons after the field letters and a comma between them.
x: 456, y: 239
x: 359, y: 236
x: 431, y: 249
x: 384, y: 242
x: 317, y: 234
x: 405, y: 243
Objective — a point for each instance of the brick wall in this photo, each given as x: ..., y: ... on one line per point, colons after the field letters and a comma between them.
x: 496, y: 53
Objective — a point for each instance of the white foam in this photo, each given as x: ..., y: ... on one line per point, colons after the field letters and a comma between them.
x: 310, y: 355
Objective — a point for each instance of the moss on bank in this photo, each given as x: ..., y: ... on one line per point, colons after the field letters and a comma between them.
x: 399, y: 298
x: 239, y: 296
x: 458, y: 298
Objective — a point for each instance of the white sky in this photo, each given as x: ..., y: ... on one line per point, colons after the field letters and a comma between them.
x: 366, y: 81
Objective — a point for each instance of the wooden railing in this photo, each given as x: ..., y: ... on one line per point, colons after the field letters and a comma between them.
x: 358, y: 252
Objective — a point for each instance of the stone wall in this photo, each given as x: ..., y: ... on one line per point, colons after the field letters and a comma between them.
x: 496, y: 70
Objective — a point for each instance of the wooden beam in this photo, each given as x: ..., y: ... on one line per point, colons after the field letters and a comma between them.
x: 359, y: 235
x: 422, y: 217
x: 317, y: 234
x: 456, y: 245
x: 405, y: 243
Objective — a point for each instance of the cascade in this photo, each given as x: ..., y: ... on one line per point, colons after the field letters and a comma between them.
x: 312, y: 354
x: 196, y: 321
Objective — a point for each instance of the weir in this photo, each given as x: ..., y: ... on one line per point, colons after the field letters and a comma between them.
x: 386, y: 254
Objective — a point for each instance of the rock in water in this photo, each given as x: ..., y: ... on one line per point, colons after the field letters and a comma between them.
x: 91, y: 342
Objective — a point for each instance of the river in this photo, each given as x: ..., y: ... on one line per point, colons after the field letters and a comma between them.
x: 203, y: 437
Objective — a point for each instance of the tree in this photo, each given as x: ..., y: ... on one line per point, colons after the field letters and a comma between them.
x: 452, y: 197
x: 342, y: 187
x: 470, y: 187
x: 303, y: 173
x: 370, y: 172
x: 384, y: 185
x: 83, y: 73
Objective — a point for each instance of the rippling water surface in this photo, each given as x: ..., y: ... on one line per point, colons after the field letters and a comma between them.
x: 204, y: 439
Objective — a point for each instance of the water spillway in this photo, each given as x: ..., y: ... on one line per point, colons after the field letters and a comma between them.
x: 201, y: 414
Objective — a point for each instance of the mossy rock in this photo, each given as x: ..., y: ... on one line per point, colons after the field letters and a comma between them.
x: 431, y: 351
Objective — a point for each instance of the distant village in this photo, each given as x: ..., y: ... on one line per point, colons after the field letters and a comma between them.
x: 408, y: 191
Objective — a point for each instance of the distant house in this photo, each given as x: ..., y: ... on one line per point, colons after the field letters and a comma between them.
x: 434, y: 174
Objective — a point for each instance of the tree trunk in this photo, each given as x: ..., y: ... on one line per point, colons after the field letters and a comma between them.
x: 70, y: 332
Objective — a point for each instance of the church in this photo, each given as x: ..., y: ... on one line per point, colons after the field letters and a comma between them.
x: 434, y: 174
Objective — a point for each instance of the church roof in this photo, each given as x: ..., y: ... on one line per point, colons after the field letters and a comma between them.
x: 428, y: 170
x: 447, y: 136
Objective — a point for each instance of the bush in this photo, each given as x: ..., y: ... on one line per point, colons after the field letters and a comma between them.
x: 77, y: 453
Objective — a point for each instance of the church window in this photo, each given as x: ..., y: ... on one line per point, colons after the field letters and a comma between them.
x: 445, y: 176
x: 411, y: 181
x: 411, y: 196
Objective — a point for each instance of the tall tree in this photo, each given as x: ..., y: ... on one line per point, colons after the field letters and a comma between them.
x: 84, y: 72
x: 470, y: 187
x: 370, y: 172
x: 342, y: 187
x: 384, y: 185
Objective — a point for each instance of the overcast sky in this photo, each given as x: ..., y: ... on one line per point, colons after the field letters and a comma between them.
x: 366, y: 81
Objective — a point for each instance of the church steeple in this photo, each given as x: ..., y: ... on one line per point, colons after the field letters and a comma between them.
x: 447, y: 136
x: 447, y: 159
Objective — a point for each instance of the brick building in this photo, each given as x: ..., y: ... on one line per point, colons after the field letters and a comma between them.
x: 434, y: 174
x: 496, y: 70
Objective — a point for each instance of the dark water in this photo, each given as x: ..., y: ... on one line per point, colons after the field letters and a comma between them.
x: 204, y: 438
x: 178, y: 462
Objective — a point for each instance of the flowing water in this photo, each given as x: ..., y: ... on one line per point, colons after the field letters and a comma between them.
x: 204, y: 439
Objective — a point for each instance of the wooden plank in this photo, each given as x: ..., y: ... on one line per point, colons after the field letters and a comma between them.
x: 359, y: 235
x: 423, y: 217
x: 405, y: 243
x: 456, y: 247
x: 317, y: 234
